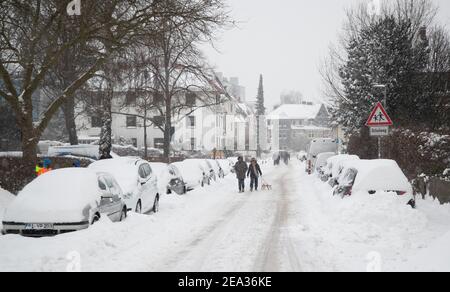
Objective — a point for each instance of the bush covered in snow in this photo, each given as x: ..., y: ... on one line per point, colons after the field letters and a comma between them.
x: 416, y: 151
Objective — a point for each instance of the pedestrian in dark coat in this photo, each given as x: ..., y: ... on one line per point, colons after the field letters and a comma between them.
x: 241, y: 169
x: 254, y: 172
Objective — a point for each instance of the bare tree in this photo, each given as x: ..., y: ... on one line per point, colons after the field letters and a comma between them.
x: 181, y: 81
x: 31, y: 47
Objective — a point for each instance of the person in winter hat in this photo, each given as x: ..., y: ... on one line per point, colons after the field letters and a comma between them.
x: 241, y: 169
x: 254, y: 172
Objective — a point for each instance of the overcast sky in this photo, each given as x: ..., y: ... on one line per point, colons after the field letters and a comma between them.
x: 285, y: 40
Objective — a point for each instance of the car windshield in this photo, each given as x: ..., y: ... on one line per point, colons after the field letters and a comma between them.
x: 349, y: 177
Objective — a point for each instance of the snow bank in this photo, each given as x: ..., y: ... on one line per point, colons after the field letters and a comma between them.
x: 365, y: 232
x: 162, y: 173
x: 57, y: 196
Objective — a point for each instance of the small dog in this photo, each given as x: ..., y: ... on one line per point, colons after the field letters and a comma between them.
x: 266, y: 186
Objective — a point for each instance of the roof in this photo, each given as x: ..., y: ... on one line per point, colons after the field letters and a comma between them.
x: 295, y: 112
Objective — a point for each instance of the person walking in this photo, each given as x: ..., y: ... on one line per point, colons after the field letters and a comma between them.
x: 254, y: 172
x: 241, y: 169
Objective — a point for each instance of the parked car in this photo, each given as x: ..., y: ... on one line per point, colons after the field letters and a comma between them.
x: 62, y: 201
x: 82, y: 151
x: 317, y: 146
x: 217, y: 168
x: 207, y: 168
x: 226, y: 166
x: 193, y: 173
x: 321, y: 162
x: 177, y: 183
x: 137, y: 180
x: 334, y: 167
x: 372, y: 176
x: 169, y: 179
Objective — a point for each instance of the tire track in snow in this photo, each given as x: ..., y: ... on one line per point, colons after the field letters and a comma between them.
x: 278, y: 245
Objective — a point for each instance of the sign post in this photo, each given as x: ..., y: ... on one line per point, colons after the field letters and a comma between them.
x: 379, y: 123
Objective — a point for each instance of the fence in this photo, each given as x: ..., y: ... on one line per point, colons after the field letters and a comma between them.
x: 440, y: 189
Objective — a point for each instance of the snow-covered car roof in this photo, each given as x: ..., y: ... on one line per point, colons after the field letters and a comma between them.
x: 124, y: 170
x: 335, y: 163
x: 191, y: 171
x: 378, y: 175
x: 57, y: 196
x: 323, y: 157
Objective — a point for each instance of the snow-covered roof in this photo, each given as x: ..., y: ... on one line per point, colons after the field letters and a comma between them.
x: 295, y: 112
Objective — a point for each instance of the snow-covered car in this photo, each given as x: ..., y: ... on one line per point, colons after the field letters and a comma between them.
x: 317, y: 146
x: 321, y: 162
x: 207, y: 167
x: 334, y: 167
x: 176, y: 183
x: 137, y: 180
x: 169, y: 179
x: 217, y: 168
x: 62, y: 201
x: 226, y: 165
x: 372, y: 176
x: 232, y: 161
x: 193, y: 173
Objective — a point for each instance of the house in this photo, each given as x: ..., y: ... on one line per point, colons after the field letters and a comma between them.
x: 226, y: 126
x: 293, y: 126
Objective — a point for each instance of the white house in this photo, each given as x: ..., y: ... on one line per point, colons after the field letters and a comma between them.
x: 230, y: 126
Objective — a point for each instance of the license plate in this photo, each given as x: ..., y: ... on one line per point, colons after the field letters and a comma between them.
x: 39, y: 226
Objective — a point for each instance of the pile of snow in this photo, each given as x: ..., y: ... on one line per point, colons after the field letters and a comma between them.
x: 161, y: 170
x: 368, y: 232
x: 6, y: 199
x: 57, y: 196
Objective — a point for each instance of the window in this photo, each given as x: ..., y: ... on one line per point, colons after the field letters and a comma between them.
x: 158, y: 121
x: 101, y: 184
x: 158, y: 143
x: 147, y: 169
x: 131, y: 122
x: 130, y: 98
x: 193, y: 143
x: 191, y: 122
x: 158, y: 98
x: 191, y: 99
x: 96, y: 122
x: 141, y: 171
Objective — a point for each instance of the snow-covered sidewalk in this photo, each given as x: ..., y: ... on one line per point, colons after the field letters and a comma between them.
x: 368, y: 233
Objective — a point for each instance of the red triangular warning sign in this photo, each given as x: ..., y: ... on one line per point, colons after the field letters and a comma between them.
x: 379, y: 117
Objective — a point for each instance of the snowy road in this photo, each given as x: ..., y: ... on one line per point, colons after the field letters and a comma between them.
x: 299, y: 226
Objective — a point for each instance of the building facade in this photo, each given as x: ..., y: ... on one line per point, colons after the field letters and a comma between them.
x: 293, y: 126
